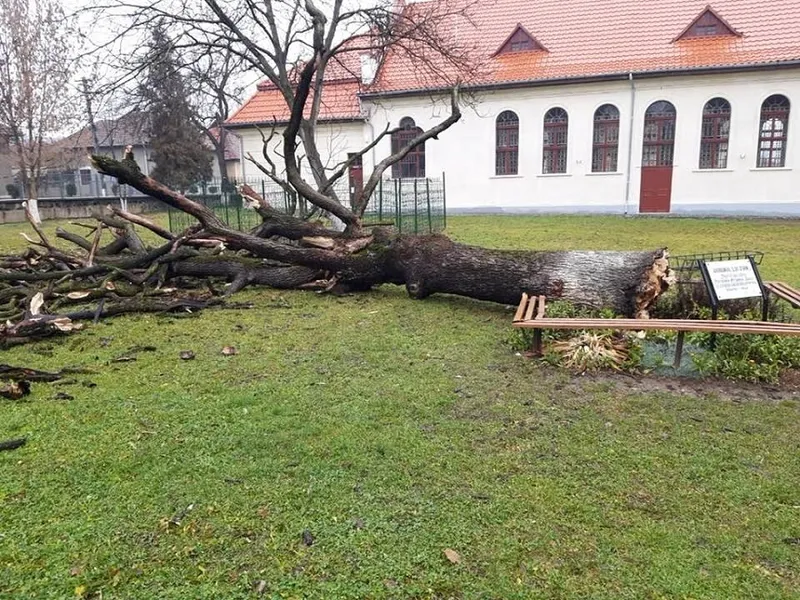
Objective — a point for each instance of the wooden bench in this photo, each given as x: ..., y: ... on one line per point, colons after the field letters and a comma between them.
x: 785, y: 291
x: 531, y: 315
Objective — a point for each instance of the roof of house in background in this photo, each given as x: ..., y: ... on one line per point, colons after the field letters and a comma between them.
x: 130, y: 128
x: 339, y: 103
x: 232, y: 143
x: 595, y: 38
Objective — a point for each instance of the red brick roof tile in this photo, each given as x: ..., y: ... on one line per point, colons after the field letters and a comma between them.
x: 339, y: 96
x: 587, y: 38
x: 339, y: 102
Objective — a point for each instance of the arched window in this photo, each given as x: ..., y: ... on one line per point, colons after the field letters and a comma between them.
x: 555, y: 141
x: 659, y: 134
x: 413, y: 164
x: 605, y: 142
x: 773, y: 132
x: 714, y: 134
x: 506, y: 160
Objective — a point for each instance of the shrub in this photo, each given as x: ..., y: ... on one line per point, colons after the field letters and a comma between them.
x: 71, y: 189
x: 12, y: 189
x: 583, y: 350
x: 755, y: 358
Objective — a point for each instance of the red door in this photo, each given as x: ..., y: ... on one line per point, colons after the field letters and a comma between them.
x: 356, y: 176
x: 657, y: 154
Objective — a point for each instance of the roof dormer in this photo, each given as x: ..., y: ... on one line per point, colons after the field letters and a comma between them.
x: 708, y: 23
x: 520, y: 40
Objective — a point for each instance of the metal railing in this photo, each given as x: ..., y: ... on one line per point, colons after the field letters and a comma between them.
x: 415, y: 206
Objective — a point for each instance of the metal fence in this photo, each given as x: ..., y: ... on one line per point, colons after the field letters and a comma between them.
x: 410, y: 205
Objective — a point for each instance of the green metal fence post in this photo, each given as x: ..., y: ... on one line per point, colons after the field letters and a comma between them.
x: 428, y: 197
x: 398, y: 209
x: 444, y: 203
x: 416, y: 208
x: 380, y: 200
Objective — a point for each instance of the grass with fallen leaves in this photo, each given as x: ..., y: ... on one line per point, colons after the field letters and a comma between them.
x: 371, y: 446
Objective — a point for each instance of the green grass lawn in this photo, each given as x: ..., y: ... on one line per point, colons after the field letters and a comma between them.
x: 392, y: 430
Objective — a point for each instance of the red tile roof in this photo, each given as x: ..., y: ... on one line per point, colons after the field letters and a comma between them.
x: 339, y: 96
x: 580, y: 39
x: 591, y: 38
x: 339, y: 102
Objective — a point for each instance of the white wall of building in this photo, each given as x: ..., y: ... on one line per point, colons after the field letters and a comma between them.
x: 466, y: 151
x: 334, y: 141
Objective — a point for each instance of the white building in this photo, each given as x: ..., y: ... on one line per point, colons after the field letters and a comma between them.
x: 589, y: 105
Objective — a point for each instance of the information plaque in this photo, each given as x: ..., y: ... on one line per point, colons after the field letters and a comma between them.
x: 733, y: 279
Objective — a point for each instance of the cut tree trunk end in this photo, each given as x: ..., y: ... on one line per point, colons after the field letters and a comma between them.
x: 32, y: 206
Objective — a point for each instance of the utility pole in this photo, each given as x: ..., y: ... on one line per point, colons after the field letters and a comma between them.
x: 95, y: 141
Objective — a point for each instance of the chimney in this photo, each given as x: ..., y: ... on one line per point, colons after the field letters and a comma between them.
x: 369, y: 67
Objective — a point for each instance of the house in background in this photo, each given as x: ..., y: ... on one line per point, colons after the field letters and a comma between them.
x: 675, y: 106
x: 73, y: 173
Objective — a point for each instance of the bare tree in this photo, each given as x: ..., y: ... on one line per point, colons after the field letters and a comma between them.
x: 35, y: 93
x: 292, y: 43
x: 216, y: 80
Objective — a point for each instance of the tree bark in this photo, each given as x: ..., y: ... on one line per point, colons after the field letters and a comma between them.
x: 627, y: 282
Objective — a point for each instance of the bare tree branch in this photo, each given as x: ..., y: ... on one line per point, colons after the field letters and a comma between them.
x: 377, y: 173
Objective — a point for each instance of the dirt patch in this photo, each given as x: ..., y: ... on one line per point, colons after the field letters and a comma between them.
x: 787, y: 389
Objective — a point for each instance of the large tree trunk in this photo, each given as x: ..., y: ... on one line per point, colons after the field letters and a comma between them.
x: 627, y: 282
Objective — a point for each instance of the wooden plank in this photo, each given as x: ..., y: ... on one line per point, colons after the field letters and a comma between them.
x: 751, y: 327
x: 542, y: 304
x: 722, y: 326
x: 782, y: 288
x: 785, y: 291
x: 531, y: 306
x: 521, y: 308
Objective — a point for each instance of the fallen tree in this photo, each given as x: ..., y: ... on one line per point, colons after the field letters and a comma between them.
x: 183, y: 273
x: 45, y: 289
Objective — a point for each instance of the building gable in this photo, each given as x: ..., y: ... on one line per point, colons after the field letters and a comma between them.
x: 519, y: 41
x: 707, y: 24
